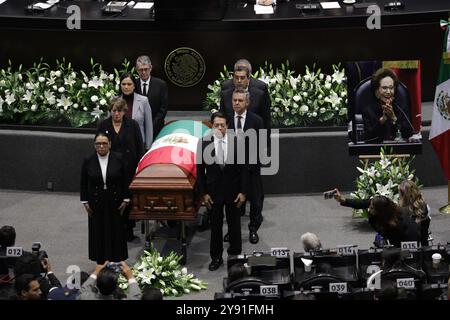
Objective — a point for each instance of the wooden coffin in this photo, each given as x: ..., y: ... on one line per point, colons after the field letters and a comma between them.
x: 164, y: 192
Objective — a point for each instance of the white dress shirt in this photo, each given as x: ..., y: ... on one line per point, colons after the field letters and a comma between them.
x: 103, y: 165
x: 243, y: 116
x: 224, y: 141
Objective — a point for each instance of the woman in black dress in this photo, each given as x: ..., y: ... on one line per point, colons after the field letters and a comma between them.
x: 104, y: 194
x: 126, y: 139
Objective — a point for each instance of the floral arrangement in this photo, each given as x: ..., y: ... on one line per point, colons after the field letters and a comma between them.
x: 42, y: 95
x: 382, y: 177
x: 164, y: 273
x: 297, y: 100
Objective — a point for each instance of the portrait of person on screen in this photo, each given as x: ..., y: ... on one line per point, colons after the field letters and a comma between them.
x: 386, y: 118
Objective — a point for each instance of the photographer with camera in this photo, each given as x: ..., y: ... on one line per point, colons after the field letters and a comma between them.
x: 391, y: 221
x: 37, y: 264
x: 103, y: 282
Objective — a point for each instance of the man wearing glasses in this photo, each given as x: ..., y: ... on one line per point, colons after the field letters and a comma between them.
x: 155, y: 89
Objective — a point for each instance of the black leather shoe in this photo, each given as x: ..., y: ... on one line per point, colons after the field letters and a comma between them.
x: 226, y: 238
x: 215, y: 264
x: 253, y: 237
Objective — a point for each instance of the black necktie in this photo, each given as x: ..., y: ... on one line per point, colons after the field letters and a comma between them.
x: 144, y: 90
x: 239, y: 124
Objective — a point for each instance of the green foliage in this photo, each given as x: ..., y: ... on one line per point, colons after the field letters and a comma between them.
x: 303, y: 100
x: 382, y: 177
x: 42, y: 95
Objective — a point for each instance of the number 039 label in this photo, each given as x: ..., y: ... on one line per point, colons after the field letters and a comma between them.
x: 338, y: 287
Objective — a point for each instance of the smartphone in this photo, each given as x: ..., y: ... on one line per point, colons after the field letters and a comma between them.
x: 329, y: 194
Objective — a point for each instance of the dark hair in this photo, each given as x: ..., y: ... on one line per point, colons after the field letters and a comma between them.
x: 124, y: 76
x: 107, y: 281
x: 22, y: 282
x: 218, y: 114
x: 28, y: 263
x: 236, y: 272
x: 102, y: 134
x: 243, y: 63
x: 7, y: 236
x: 243, y: 68
x: 324, y: 267
x: 119, y: 103
x: 150, y: 293
x: 385, y: 213
x: 381, y: 74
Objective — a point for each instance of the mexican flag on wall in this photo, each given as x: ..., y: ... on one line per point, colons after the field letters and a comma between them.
x: 440, y: 123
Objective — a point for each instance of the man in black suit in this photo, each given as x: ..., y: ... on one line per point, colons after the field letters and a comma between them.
x: 221, y: 183
x: 253, y: 81
x: 155, y: 89
x: 259, y: 100
x: 243, y: 123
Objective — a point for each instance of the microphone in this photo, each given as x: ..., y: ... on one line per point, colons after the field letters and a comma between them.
x: 406, y: 117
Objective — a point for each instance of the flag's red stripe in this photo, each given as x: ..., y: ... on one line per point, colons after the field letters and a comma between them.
x: 441, y: 145
x: 173, y: 155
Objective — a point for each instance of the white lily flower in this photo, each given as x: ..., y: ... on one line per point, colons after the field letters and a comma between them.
x: 69, y: 81
x: 30, y: 86
x: 160, y: 259
x: 75, y: 106
x: 19, y: 76
x: 33, y: 107
x: 94, y: 98
x: 58, y: 73
x: 95, y: 83
x: 174, y: 291
x: 296, y: 98
x: 84, y: 86
x: 10, y: 98
x: 102, y: 102
x: 338, y: 76
x: 108, y: 94
x: 2, y: 83
x: 64, y: 102
x: 111, y: 77
x: 49, y: 96
x: 85, y: 109
x: 27, y: 96
x: 327, y: 85
x: 96, y: 113
x: 61, y: 89
x: 41, y: 79
x: 322, y: 110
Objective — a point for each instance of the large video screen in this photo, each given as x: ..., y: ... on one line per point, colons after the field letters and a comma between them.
x: 384, y: 106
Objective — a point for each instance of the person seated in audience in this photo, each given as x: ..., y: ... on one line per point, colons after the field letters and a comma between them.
x: 7, y: 238
x: 103, y: 283
x: 410, y: 200
x: 237, y: 271
x: 310, y: 242
x: 383, y: 118
x: 29, y: 263
x: 151, y: 294
x: 28, y: 287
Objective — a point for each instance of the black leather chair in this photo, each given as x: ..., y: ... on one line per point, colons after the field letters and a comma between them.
x: 364, y: 96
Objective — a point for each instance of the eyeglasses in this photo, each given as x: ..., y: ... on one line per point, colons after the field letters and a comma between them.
x: 388, y: 88
x: 98, y: 144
